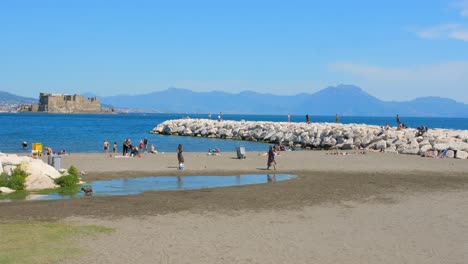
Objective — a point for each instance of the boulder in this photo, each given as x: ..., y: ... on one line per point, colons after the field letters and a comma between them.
x: 460, y: 154
x: 6, y: 190
x: 382, y: 144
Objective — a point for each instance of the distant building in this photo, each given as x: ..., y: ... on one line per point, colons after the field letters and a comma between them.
x: 64, y: 103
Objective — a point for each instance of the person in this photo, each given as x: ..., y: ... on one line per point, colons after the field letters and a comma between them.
x: 209, y: 116
x: 398, y: 119
x: 387, y: 127
x: 180, y: 157
x: 125, y: 147
x: 152, y: 150
x: 307, y: 119
x: 141, y: 145
x: 421, y: 130
x: 382, y: 131
x: 24, y: 144
x: 271, y: 159
x: 115, y: 147
x: 220, y: 117
x: 63, y: 152
x: 337, y: 118
x: 49, y: 151
x: 145, y: 143
x: 106, y: 146
x: 289, y: 118
x: 135, y: 151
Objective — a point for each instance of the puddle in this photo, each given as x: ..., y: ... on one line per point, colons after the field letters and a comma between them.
x: 128, y: 186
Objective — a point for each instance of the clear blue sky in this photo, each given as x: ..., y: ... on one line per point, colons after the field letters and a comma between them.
x: 395, y: 50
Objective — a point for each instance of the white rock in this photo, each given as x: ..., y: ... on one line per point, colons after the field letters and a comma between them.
x: 6, y: 190
x: 461, y: 154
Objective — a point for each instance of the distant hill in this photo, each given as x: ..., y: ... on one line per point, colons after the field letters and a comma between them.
x: 8, y: 100
x: 346, y: 100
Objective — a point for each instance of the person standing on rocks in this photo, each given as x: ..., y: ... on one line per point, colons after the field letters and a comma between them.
x: 180, y: 157
x: 289, y: 118
x: 271, y: 159
x: 337, y: 118
x: 398, y: 119
x: 307, y: 119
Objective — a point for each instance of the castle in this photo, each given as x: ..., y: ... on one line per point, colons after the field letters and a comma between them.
x: 63, y: 103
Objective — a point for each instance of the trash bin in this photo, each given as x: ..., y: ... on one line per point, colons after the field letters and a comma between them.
x: 49, y: 160
x: 56, y: 160
x: 240, y: 152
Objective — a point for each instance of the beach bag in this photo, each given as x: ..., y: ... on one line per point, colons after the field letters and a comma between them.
x: 181, y: 166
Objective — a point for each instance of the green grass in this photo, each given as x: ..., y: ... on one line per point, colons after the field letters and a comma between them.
x: 43, y: 242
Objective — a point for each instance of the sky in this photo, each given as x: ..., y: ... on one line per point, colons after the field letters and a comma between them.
x: 394, y: 50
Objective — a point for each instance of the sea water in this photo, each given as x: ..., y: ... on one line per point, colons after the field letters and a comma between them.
x: 87, y: 132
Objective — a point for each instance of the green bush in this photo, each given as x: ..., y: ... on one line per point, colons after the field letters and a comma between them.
x: 69, y: 180
x: 16, y: 180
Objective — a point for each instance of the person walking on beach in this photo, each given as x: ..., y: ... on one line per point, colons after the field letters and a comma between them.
x: 337, y: 118
x: 180, y: 157
x: 271, y: 158
x: 398, y: 119
x: 307, y: 119
x: 106, y: 146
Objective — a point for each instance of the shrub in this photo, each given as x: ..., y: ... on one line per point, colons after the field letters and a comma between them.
x: 69, y: 180
x: 16, y: 180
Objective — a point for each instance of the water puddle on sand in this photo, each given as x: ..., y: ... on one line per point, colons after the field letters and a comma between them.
x: 126, y: 186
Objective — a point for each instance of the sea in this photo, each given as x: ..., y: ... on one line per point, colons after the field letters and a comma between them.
x: 87, y: 132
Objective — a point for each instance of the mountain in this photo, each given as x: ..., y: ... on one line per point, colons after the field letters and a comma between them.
x: 9, y: 101
x: 347, y: 100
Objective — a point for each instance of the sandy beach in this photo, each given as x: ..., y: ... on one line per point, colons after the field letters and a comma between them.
x: 371, y: 208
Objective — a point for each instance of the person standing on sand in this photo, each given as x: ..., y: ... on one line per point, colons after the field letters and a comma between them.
x: 145, y: 143
x: 180, y: 157
x: 271, y: 159
x: 115, y: 147
x: 106, y: 146
x: 337, y: 118
x: 141, y: 145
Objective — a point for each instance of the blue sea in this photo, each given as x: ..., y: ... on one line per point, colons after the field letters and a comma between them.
x: 86, y: 132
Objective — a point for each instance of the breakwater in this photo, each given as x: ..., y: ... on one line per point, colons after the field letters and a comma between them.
x: 435, y: 142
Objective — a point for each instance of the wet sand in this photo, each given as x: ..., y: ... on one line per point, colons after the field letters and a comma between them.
x: 373, y: 208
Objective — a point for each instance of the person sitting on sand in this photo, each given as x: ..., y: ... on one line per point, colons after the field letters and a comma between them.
x: 152, y: 149
x: 48, y: 151
x: 134, y: 152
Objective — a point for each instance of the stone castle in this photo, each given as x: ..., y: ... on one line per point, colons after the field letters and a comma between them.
x: 64, y: 103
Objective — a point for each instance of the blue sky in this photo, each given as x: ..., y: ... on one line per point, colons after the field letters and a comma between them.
x: 394, y: 50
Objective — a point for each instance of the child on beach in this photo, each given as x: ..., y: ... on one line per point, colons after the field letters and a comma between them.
x: 115, y: 147
x: 180, y: 157
x: 271, y: 159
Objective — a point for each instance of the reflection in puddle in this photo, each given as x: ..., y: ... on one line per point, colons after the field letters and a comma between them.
x: 128, y: 186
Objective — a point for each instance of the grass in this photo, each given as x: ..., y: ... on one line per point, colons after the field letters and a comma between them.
x: 43, y: 242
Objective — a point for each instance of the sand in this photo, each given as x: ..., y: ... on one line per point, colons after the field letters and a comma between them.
x: 372, y: 208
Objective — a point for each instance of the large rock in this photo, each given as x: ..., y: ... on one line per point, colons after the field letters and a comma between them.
x: 6, y: 190
x: 460, y: 154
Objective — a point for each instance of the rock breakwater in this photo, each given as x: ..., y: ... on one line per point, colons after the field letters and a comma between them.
x: 435, y: 142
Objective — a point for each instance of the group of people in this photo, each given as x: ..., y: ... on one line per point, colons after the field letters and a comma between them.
x: 128, y: 149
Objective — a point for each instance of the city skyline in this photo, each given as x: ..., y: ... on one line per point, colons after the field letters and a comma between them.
x: 395, y: 51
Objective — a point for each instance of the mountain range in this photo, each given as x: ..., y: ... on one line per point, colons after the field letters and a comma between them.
x: 345, y: 100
